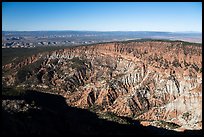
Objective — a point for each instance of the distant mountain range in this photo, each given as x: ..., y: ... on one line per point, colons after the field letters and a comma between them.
x: 100, y: 36
x: 137, y: 33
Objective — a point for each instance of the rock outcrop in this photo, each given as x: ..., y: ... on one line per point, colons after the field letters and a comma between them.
x: 149, y: 81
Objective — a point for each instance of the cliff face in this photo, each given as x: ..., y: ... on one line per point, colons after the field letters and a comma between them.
x: 149, y: 81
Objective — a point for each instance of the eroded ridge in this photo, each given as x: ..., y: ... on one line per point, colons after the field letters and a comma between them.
x: 148, y: 81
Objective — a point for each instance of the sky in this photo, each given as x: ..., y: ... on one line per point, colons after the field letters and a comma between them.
x: 102, y: 16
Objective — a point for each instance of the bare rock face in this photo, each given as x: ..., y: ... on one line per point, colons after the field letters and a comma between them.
x: 149, y: 81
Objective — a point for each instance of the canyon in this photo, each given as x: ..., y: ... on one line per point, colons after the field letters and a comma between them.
x: 158, y: 83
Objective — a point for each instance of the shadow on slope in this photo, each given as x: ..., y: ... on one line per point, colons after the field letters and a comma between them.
x: 56, y: 118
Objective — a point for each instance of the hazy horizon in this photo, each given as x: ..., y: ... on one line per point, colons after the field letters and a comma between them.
x: 106, y: 31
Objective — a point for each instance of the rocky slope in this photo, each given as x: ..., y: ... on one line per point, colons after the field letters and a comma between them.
x: 37, y: 113
x: 150, y: 81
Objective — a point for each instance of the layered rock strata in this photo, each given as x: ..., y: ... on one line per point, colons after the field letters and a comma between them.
x: 149, y: 81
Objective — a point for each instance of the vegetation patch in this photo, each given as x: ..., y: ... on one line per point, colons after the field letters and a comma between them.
x: 186, y: 116
x: 112, y: 117
x: 27, y: 71
x: 9, y: 54
x: 165, y: 124
x: 12, y: 91
x: 77, y: 62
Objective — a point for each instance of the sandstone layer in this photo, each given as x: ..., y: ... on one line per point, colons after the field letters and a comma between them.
x: 148, y: 81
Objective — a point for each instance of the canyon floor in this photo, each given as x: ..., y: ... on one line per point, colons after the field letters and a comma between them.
x: 117, y: 88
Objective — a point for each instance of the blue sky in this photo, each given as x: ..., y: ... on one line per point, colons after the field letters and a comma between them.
x: 102, y: 16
